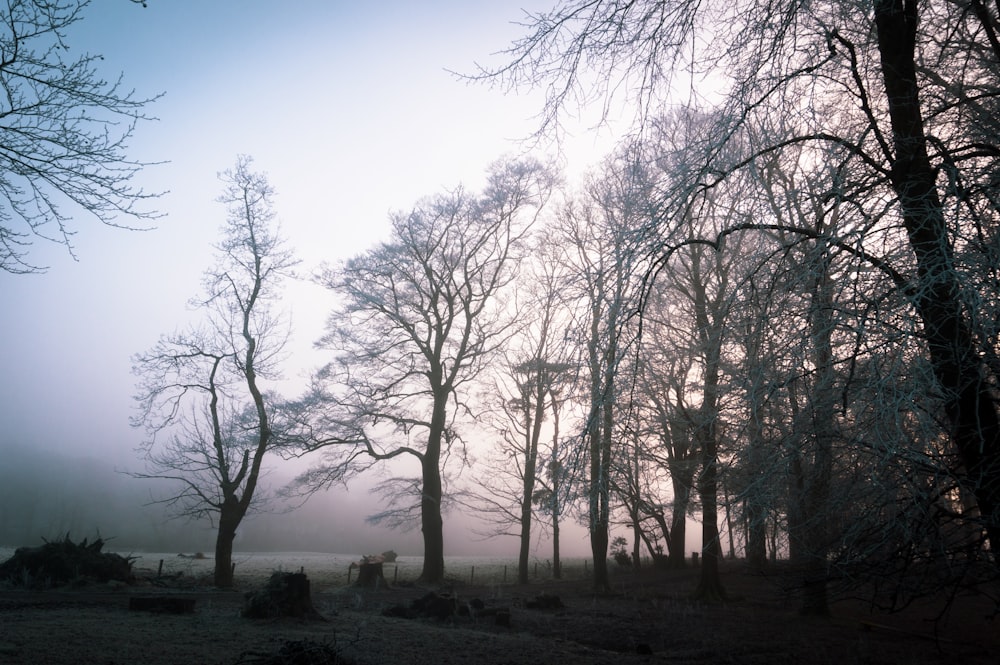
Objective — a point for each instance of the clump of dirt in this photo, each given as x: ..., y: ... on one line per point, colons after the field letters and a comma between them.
x: 64, y: 562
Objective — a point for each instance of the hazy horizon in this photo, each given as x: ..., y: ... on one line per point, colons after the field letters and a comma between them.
x: 85, y: 497
x: 353, y: 111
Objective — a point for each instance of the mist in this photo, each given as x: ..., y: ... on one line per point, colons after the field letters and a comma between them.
x: 45, y: 494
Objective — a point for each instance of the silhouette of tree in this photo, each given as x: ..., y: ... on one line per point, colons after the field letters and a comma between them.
x: 209, y: 420
x: 421, y: 316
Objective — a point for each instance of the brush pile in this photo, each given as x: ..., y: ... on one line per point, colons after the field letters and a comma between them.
x: 64, y: 562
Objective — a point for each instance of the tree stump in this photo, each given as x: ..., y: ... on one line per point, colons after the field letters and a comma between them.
x: 370, y: 574
x: 286, y: 595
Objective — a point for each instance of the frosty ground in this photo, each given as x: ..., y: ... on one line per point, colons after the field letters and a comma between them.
x: 649, y: 617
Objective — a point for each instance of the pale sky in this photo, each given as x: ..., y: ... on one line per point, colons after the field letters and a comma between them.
x: 349, y: 108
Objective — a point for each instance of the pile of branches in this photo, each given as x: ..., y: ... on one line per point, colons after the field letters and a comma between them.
x: 64, y: 562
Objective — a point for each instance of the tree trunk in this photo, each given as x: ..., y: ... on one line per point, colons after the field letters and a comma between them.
x: 958, y: 367
x: 599, y: 531
x: 228, y: 523
x: 823, y: 429
x: 730, y: 532
x: 756, y: 527
x: 677, y: 543
x: 710, y: 584
x: 755, y: 504
x: 370, y: 574
x: 599, y: 549
x: 556, y: 488
x: 637, y: 538
x: 431, y: 524
x: 525, y: 548
x: 556, y: 563
x: 710, y: 331
x: 533, y: 432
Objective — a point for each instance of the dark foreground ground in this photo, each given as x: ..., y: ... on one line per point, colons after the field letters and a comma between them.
x: 649, y: 618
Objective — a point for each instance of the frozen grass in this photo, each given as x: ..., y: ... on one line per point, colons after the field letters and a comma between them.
x: 333, y: 570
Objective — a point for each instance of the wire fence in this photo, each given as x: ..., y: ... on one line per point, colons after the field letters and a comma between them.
x: 338, y: 570
x: 484, y: 572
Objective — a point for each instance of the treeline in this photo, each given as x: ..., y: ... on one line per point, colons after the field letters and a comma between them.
x: 777, y: 311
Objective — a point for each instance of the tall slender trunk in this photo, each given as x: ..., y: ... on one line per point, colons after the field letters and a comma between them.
x: 676, y: 546
x: 709, y: 584
x: 556, y: 488
x: 635, y: 508
x: 755, y: 501
x: 534, y: 404
x: 524, y: 550
x: 556, y: 562
x: 823, y: 433
x: 599, y: 435
x: 964, y: 380
x: 598, y: 507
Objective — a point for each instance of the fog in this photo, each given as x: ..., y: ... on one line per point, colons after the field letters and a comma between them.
x: 47, y: 495
x: 351, y: 110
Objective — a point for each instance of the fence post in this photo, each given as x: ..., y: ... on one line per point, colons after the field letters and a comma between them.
x: 505, y: 573
x: 472, y: 577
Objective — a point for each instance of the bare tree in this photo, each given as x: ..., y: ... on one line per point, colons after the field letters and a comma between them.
x: 917, y: 82
x: 663, y: 404
x: 64, y: 134
x: 606, y: 255
x: 209, y: 420
x: 535, y: 373
x: 421, y: 316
